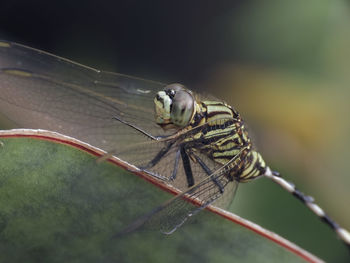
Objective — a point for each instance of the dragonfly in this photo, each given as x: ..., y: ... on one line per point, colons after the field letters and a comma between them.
x: 197, y: 144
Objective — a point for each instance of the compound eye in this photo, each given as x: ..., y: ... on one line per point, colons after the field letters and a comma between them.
x: 174, y: 107
x: 170, y: 92
x: 182, y: 108
x: 175, y: 87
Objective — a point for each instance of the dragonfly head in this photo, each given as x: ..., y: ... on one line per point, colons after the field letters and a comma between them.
x: 175, y: 106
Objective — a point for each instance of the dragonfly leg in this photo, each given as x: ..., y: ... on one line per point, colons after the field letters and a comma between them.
x: 176, y: 165
x: 209, y: 172
x: 138, y: 129
x: 159, y: 156
x: 187, y: 166
x: 309, y: 202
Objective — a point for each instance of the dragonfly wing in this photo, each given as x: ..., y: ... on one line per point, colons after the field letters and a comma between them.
x: 229, y: 187
x: 40, y: 90
x: 173, y: 213
x: 227, y: 197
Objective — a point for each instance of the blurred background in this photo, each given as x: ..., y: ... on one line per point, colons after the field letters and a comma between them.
x: 285, y: 65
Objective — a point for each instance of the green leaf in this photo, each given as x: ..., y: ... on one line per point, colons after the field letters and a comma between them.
x: 57, y: 204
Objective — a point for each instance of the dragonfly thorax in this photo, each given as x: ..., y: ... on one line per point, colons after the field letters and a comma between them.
x: 174, y: 107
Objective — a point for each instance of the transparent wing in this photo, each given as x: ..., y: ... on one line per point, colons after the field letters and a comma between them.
x: 40, y: 90
x: 208, y: 191
x: 180, y: 209
x: 173, y: 213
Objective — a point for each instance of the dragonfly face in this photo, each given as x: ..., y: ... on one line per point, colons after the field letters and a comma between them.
x: 174, y: 106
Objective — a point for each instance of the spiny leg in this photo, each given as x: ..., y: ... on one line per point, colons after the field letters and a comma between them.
x: 160, y: 154
x: 309, y: 202
x: 155, y: 160
x: 158, y: 157
x: 209, y: 172
x: 139, y: 129
x: 187, y: 166
x: 176, y: 165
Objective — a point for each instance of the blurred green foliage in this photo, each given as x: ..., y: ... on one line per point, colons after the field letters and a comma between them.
x: 58, y: 205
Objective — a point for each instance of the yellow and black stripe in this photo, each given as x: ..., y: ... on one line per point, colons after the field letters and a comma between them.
x: 223, y: 137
